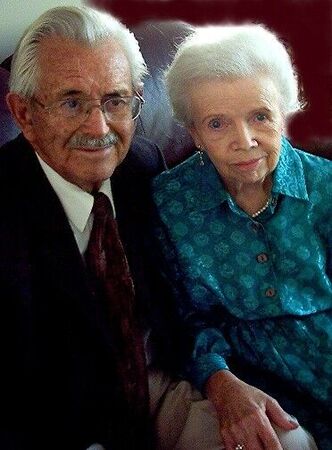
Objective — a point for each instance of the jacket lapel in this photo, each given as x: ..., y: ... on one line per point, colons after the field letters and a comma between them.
x: 58, y: 270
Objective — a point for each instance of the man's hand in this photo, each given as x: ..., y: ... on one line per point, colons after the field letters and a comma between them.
x: 245, y: 413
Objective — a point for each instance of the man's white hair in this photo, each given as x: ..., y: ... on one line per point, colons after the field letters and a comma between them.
x: 230, y: 52
x: 79, y: 23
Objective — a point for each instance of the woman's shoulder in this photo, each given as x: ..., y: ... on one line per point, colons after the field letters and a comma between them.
x: 193, y: 185
x: 184, y: 171
x: 317, y: 175
x: 313, y: 169
x: 316, y: 170
x: 177, y: 182
x: 313, y: 162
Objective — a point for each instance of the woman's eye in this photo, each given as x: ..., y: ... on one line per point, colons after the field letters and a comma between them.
x: 260, y: 117
x: 215, y: 124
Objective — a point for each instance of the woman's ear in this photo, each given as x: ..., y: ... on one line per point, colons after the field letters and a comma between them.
x: 21, y: 111
x: 193, y: 133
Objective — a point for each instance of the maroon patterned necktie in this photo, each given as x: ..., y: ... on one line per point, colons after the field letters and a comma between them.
x: 108, y: 266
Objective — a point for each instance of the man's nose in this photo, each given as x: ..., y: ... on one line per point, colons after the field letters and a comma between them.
x: 244, y: 137
x: 95, y: 123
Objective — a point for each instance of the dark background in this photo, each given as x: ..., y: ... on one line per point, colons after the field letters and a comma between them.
x: 305, y: 26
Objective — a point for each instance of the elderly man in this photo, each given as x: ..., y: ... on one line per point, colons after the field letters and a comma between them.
x: 73, y: 364
x: 73, y: 360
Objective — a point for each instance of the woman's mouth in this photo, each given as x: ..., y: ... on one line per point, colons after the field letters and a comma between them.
x: 251, y: 164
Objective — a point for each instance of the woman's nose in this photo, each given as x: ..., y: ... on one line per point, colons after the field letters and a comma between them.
x: 244, y: 137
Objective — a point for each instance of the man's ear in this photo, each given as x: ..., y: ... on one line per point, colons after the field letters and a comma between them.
x: 20, y: 109
x: 140, y: 89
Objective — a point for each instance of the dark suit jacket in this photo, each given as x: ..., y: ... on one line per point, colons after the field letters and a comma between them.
x: 57, y: 387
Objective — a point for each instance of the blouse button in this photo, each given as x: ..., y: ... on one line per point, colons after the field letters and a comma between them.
x: 262, y: 257
x: 270, y: 292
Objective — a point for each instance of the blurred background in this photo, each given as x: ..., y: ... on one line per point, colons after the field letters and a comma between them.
x: 305, y: 26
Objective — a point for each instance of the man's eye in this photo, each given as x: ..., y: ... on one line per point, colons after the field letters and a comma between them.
x: 117, y: 102
x: 71, y: 104
x: 215, y: 124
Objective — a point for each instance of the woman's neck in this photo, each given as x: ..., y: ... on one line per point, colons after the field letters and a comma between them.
x: 251, y: 197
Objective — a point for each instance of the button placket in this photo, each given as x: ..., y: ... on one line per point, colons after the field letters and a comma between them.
x: 255, y: 226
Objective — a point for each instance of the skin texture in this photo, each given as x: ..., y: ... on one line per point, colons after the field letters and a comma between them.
x: 68, y: 68
x: 245, y: 413
x: 238, y: 122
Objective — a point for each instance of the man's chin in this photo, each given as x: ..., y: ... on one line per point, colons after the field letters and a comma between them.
x: 93, y: 180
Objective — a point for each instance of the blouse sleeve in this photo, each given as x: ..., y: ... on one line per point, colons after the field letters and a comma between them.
x: 207, y: 348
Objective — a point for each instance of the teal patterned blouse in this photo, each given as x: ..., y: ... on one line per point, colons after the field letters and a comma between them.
x: 260, y: 289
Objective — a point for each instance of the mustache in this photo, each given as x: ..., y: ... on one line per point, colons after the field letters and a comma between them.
x: 84, y: 141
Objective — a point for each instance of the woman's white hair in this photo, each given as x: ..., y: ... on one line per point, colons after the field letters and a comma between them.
x: 79, y: 23
x: 230, y: 52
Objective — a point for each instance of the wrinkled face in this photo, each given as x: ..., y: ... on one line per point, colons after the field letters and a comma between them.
x: 239, y: 124
x: 84, y: 150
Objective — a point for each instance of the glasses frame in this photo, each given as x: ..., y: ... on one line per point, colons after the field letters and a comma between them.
x: 101, y: 106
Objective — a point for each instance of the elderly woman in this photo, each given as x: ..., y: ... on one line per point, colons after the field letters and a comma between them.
x: 245, y: 227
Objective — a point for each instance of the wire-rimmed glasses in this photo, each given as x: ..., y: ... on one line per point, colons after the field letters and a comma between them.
x: 115, y: 108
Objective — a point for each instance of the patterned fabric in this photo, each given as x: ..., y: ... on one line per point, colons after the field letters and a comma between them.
x: 256, y: 289
x: 112, y: 284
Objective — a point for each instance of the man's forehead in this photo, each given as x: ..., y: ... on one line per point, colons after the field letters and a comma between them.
x: 58, y: 50
x: 62, y: 58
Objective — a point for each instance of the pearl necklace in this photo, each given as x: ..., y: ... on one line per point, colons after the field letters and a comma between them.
x: 263, y: 208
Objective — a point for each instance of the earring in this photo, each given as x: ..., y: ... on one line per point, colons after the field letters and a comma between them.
x: 200, y: 152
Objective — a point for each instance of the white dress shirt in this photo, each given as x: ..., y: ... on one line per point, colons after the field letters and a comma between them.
x: 77, y: 203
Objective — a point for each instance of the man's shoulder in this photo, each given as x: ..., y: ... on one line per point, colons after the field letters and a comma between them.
x: 143, y: 144
x: 13, y: 156
x: 131, y: 180
x: 21, y: 178
x: 14, y: 143
x: 144, y: 158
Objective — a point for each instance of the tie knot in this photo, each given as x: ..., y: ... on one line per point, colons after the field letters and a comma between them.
x: 102, y: 205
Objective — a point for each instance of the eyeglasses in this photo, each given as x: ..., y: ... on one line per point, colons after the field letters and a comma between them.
x: 116, y: 108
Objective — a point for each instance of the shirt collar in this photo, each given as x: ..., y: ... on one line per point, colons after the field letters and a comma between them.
x: 288, y: 178
x: 76, y: 202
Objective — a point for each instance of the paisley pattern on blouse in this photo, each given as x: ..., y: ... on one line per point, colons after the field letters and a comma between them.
x: 259, y: 289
